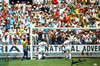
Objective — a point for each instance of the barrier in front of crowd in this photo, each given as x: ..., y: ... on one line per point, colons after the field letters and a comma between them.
x: 54, y: 51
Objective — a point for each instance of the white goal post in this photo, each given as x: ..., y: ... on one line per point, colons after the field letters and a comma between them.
x: 63, y: 28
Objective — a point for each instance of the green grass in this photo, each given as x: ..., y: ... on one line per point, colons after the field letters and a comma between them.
x: 50, y: 62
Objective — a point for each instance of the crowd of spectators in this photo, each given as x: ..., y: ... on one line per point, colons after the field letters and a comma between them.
x: 16, y: 19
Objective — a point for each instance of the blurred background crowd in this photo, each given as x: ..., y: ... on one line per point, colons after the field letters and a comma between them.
x: 16, y: 19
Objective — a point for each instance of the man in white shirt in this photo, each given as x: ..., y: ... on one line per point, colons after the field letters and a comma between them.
x: 35, y: 37
x: 5, y: 39
x: 67, y: 48
x: 88, y: 40
x: 68, y: 1
x: 85, y: 35
x: 41, y: 46
x: 71, y: 37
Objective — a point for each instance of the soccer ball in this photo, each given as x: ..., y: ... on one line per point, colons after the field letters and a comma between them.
x: 47, y: 54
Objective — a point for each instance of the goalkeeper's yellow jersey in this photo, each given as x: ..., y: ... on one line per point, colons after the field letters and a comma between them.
x: 24, y: 44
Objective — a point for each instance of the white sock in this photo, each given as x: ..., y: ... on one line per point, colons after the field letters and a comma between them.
x: 69, y: 56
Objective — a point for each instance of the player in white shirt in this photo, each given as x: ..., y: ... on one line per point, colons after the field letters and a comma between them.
x: 41, y: 46
x: 67, y: 48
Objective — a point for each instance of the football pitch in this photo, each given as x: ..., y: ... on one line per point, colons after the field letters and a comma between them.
x: 51, y: 62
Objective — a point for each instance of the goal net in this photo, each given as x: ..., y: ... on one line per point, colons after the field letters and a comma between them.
x: 56, y: 37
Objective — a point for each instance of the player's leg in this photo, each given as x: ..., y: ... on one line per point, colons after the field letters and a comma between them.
x: 39, y: 56
x: 26, y: 54
x: 65, y: 52
x: 23, y: 55
x: 43, y: 53
x: 69, y: 54
x: 36, y: 54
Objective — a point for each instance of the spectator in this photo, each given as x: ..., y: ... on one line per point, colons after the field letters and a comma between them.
x: 35, y: 37
x: 44, y: 37
x: 28, y: 6
x: 59, y: 37
x: 53, y: 38
x: 85, y: 35
x: 0, y: 39
x: 19, y: 41
x: 92, y: 24
x: 88, y: 40
x: 68, y: 1
x: 50, y: 37
x: 18, y: 18
x: 92, y: 1
x: 18, y: 5
x: 7, y: 26
x: 77, y: 40
x: 51, y: 24
x: 5, y: 39
x: 10, y: 40
x: 98, y: 36
x: 55, y: 1
x: 93, y: 38
x: 83, y: 41
x: 71, y: 38
x: 98, y: 41
x: 12, y: 21
x: 15, y: 38
x: 21, y: 31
